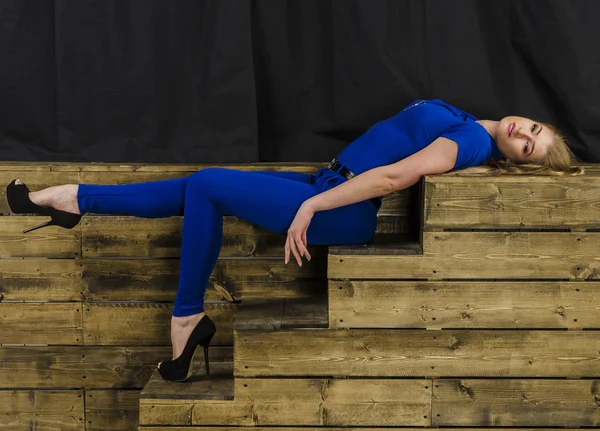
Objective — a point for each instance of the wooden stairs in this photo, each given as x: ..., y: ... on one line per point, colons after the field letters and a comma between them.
x: 489, y: 318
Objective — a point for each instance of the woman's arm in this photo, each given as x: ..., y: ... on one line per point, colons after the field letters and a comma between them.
x: 437, y: 157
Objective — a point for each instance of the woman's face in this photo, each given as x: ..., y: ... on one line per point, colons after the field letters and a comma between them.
x: 522, y: 140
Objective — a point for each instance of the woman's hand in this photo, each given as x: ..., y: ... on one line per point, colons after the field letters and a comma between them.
x: 296, y: 238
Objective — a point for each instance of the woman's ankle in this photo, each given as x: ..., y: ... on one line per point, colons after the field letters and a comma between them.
x: 191, y: 319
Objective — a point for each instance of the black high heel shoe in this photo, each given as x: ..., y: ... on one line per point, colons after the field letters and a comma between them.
x: 180, y: 369
x: 17, y: 196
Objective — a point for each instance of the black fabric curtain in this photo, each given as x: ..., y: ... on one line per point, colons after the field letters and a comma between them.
x: 208, y: 81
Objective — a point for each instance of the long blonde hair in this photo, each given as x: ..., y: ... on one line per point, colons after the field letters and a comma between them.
x: 558, y: 160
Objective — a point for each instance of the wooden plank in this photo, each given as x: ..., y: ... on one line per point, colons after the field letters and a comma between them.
x: 111, y: 410
x: 305, y: 312
x: 219, y: 386
x: 281, y: 313
x: 384, y: 244
x: 463, y: 304
x: 331, y: 402
x: 301, y: 402
x: 512, y: 201
x: 154, y: 279
x: 41, y: 323
x: 188, y: 412
x: 475, y: 266
x: 41, y: 279
x: 137, y: 323
x: 505, y: 402
x: 50, y: 242
x: 527, y: 246
x: 121, y: 236
x: 42, y: 410
x: 84, y: 367
x: 35, y: 179
x: 259, y: 313
x: 392, y: 224
x: 412, y: 352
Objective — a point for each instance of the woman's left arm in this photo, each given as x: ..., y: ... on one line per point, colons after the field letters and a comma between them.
x: 437, y: 157
x: 369, y: 184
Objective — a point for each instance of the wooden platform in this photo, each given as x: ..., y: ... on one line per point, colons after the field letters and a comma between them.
x: 488, y: 318
x: 85, y: 313
x: 476, y: 305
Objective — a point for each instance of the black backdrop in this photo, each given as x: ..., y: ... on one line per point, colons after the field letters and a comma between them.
x: 206, y: 81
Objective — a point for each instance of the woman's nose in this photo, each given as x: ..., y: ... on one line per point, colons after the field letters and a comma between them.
x: 522, y: 134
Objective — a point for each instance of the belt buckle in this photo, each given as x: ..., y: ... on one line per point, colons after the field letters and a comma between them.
x: 332, y: 163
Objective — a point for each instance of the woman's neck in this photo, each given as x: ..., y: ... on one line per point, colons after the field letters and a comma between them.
x: 490, y: 126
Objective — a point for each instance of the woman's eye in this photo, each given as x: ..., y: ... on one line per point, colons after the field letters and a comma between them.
x: 525, y: 148
x: 533, y: 127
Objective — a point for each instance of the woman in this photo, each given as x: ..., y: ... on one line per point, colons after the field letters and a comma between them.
x: 336, y: 205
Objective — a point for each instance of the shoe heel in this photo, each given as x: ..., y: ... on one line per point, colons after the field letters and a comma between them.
x: 48, y: 223
x: 206, y: 360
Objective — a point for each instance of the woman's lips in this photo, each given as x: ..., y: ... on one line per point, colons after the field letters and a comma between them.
x: 511, y: 128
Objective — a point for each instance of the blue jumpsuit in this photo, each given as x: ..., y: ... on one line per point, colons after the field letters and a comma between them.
x: 271, y: 199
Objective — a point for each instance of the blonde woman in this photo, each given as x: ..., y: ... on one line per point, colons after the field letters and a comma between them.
x: 336, y: 205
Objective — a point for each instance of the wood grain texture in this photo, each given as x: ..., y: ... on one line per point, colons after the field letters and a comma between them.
x: 193, y: 412
x: 42, y: 410
x: 154, y: 279
x: 413, y: 352
x: 527, y: 246
x: 323, y: 402
x: 137, y: 323
x: 331, y: 402
x: 282, y: 313
x: 41, y: 323
x: 41, y: 280
x: 111, y: 410
x: 556, y: 403
x: 478, y: 266
x: 89, y: 367
x: 512, y: 201
x: 49, y: 242
x: 463, y: 304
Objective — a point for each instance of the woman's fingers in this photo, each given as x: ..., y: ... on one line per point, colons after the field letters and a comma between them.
x: 295, y: 250
x: 304, y: 245
x: 296, y: 244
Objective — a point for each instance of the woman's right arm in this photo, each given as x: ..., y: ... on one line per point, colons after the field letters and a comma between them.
x: 436, y: 158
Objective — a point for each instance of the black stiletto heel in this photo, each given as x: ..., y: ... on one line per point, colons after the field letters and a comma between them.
x: 180, y: 369
x: 17, y: 196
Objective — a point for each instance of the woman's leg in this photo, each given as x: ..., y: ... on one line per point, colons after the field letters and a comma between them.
x: 151, y: 199
x: 269, y: 201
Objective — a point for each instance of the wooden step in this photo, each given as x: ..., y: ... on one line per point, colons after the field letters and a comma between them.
x: 171, y: 403
x: 415, y: 352
x: 478, y: 255
x: 381, y: 244
x: 463, y: 304
x: 272, y: 314
x: 460, y: 200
